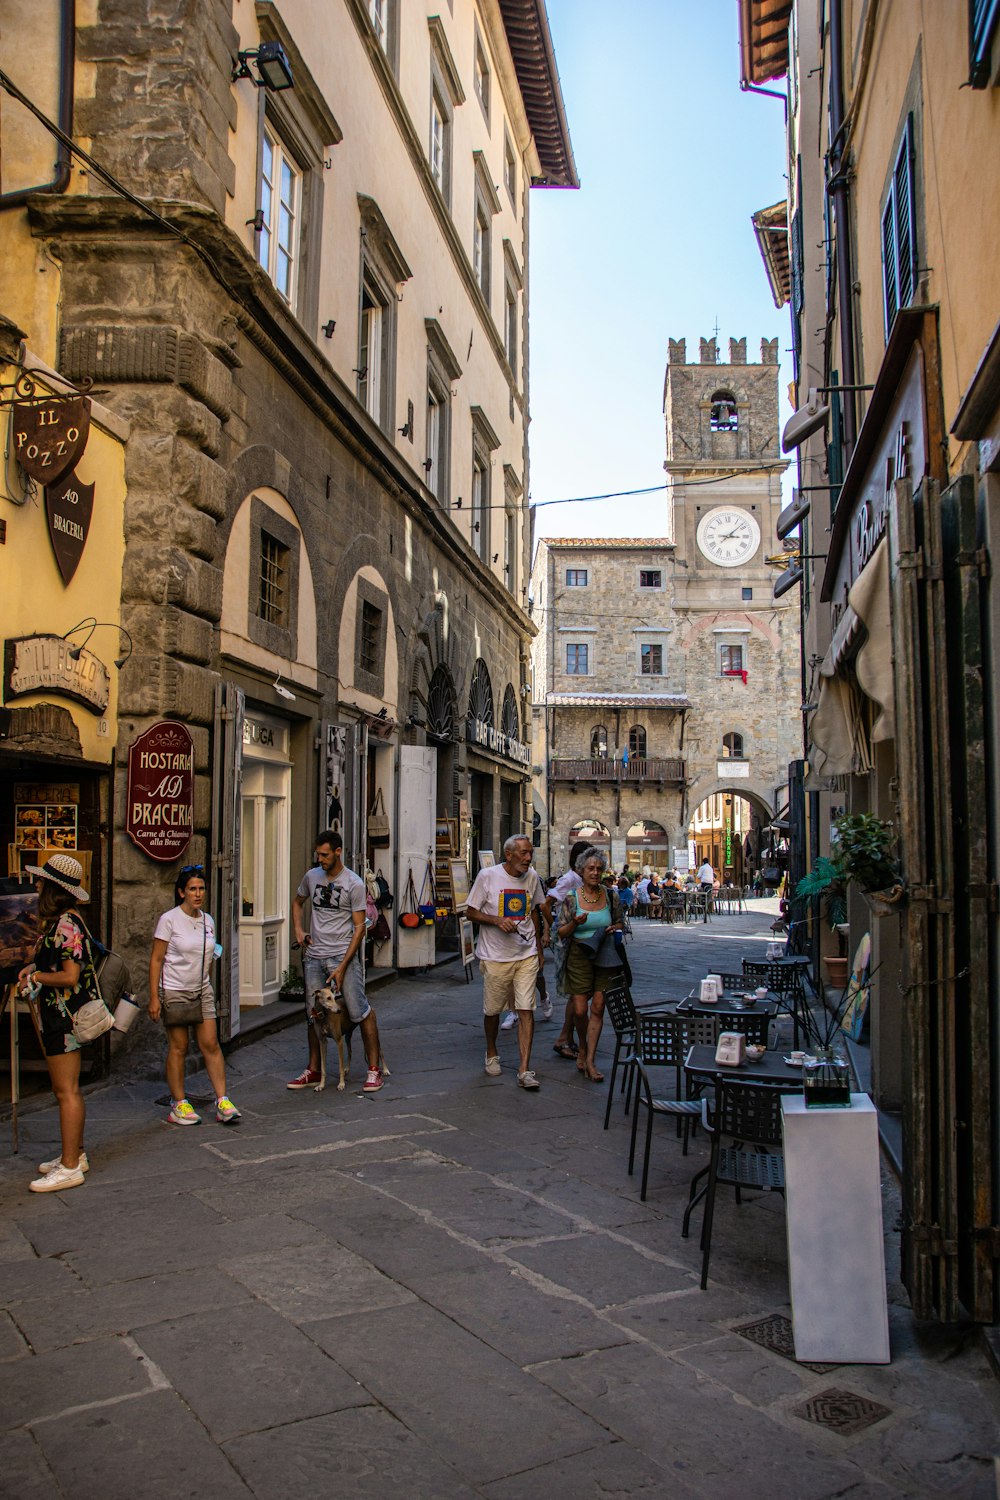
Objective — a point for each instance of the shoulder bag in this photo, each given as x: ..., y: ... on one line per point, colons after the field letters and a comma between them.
x: 378, y: 822
x: 91, y: 1019
x: 184, y: 1009
x: 408, y: 913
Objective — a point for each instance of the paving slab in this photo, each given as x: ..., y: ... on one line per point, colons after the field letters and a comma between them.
x: 171, y: 1247
x: 261, y: 1371
x: 612, y: 1472
x: 366, y: 1453
x: 12, y: 1342
x: 306, y: 1284
x: 47, y: 1384
x: 153, y: 1448
x: 477, y: 1410
x: 26, y: 1474
x: 601, y: 1268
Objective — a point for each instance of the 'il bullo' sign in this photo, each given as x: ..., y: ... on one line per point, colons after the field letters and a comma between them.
x: 161, y: 791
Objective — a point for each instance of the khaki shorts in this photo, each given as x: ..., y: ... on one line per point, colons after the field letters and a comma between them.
x: 508, y: 984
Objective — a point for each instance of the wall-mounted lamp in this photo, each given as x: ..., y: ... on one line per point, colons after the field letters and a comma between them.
x: 787, y: 580
x: 273, y: 70
x: 328, y: 328
x: 257, y: 221
x: 90, y: 624
x: 791, y: 515
x: 812, y: 416
x: 282, y: 691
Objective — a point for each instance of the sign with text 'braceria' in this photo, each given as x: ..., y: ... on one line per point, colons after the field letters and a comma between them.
x: 160, y: 793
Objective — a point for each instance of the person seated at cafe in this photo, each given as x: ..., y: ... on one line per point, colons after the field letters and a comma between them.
x: 655, y: 897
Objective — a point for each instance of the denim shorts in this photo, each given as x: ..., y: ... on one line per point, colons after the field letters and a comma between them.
x: 317, y: 973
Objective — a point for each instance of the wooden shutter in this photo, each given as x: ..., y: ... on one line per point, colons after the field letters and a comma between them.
x: 227, y: 778
x: 899, y: 242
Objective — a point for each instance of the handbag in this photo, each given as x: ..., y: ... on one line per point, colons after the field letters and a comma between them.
x: 427, y: 909
x: 381, y: 932
x: 384, y: 898
x: 378, y: 822
x: 184, y: 1008
x: 408, y: 914
x: 93, y: 1018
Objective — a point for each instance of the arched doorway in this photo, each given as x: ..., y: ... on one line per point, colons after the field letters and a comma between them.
x: 594, y: 832
x: 725, y: 831
x: 646, y: 843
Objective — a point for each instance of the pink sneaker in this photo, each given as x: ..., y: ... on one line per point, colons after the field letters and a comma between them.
x: 373, y: 1082
x: 307, y: 1079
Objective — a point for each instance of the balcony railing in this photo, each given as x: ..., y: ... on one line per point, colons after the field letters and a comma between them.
x: 613, y: 773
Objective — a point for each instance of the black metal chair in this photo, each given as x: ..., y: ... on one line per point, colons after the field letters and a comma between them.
x: 785, y: 981
x: 748, y: 1023
x: 663, y: 1042
x: 744, y: 1126
x: 735, y: 983
x: 621, y: 1011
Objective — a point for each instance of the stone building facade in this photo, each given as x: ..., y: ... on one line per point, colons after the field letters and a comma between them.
x: 665, y: 673
x: 312, y: 328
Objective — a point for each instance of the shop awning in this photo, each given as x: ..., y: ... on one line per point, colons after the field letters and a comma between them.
x: 838, y: 741
x: 869, y: 599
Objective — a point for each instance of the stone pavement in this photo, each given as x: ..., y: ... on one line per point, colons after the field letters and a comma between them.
x: 447, y: 1290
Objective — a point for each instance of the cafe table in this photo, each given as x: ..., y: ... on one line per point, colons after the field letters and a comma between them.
x: 729, y: 1005
x: 770, y: 1068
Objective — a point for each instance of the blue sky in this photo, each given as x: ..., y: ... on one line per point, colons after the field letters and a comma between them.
x: 673, y: 159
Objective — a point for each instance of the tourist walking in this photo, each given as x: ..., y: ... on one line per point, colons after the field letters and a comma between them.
x: 570, y: 880
x: 587, y: 921
x: 61, y: 979
x: 332, y: 953
x: 505, y: 906
x: 180, y: 990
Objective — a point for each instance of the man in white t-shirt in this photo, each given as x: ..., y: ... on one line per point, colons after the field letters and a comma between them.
x: 706, y: 877
x: 332, y: 951
x: 505, y: 907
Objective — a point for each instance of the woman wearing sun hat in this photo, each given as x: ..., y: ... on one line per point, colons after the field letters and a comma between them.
x: 61, y: 977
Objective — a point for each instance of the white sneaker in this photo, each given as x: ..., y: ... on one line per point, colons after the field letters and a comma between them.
x: 58, y: 1179
x: 546, y: 1010
x: 509, y: 1021
x: 493, y: 1066
x: 50, y: 1166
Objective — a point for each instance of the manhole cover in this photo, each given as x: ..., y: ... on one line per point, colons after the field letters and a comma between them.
x: 775, y: 1333
x: 844, y: 1412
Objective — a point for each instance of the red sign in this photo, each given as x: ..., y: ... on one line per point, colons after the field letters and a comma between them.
x: 161, y: 791
x: 68, y: 508
x: 50, y: 436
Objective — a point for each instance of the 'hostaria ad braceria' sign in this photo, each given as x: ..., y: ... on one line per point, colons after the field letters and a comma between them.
x: 161, y: 791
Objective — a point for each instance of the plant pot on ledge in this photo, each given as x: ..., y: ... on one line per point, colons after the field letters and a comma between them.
x: 836, y: 972
x: 887, y: 901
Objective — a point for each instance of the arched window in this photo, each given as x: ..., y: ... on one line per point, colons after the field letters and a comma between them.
x: 591, y: 830
x: 441, y: 706
x: 481, y: 695
x: 637, y: 742
x: 599, y: 743
x: 510, y: 719
x: 724, y: 416
x: 732, y: 747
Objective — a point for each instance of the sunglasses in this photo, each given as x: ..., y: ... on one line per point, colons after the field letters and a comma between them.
x: 188, y: 871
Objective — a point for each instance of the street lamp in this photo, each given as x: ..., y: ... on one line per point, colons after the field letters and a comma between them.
x: 274, y: 72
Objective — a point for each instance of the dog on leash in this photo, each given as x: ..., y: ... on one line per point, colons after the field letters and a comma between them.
x: 330, y: 1020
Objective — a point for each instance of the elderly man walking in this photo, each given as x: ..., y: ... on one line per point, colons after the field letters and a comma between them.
x: 505, y: 907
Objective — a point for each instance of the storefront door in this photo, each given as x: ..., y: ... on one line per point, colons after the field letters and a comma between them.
x: 264, y: 827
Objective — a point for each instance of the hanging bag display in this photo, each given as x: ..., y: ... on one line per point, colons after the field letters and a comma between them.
x: 427, y: 905
x: 378, y: 822
x: 384, y: 898
x: 408, y: 914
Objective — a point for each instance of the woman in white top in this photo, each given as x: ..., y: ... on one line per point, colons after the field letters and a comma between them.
x: 179, y: 969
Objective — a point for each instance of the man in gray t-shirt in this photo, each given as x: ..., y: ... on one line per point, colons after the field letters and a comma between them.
x: 332, y: 951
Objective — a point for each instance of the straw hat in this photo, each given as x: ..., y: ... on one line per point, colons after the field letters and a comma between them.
x: 64, y: 870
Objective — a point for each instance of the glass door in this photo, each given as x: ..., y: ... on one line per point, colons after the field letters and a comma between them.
x: 264, y: 859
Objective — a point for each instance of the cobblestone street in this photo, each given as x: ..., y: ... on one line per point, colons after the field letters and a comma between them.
x: 447, y: 1290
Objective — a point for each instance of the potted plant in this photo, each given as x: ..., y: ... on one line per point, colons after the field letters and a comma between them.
x: 864, y: 854
x: 292, y: 985
x: 826, y: 880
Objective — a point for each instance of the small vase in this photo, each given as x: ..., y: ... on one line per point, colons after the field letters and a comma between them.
x: 836, y: 971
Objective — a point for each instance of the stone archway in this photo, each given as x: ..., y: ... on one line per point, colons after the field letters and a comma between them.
x: 727, y: 817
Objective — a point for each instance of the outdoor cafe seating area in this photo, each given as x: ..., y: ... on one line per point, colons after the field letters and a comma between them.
x: 745, y: 1064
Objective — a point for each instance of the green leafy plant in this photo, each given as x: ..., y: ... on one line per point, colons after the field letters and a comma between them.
x: 291, y: 980
x: 864, y: 851
x: 827, y: 881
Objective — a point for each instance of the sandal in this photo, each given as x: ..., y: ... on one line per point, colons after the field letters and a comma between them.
x: 563, y: 1049
x: 592, y: 1075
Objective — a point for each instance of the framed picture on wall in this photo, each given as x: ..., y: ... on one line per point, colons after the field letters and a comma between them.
x: 459, y: 883
x: 486, y: 859
x: 467, y: 941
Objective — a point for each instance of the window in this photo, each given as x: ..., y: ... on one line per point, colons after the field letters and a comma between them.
x: 383, y: 270
x: 383, y: 15
x: 599, y: 742
x: 440, y: 144
x: 509, y: 169
x: 732, y: 747
x: 577, y: 659
x: 651, y: 660
x: 272, y: 593
x: 650, y: 578
x: 724, y: 414
x: 637, y: 742
x: 446, y: 95
x: 576, y: 578
x: 730, y: 660
x: 512, y: 491
x: 899, y: 243
x: 984, y: 17
x: 369, y: 638
x: 484, y: 443
x: 481, y: 76
x: 280, y: 197
x: 510, y: 323
x: 746, y: 593
x: 442, y: 369
x: 481, y: 249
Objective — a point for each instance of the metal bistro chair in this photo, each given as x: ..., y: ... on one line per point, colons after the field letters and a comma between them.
x: 747, y: 1118
x: 663, y: 1042
x: 621, y: 1011
x: 786, y: 982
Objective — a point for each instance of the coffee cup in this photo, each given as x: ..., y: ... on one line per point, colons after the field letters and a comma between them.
x: 797, y: 1057
x: 760, y: 991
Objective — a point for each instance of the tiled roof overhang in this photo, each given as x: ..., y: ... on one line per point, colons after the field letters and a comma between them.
x: 770, y: 225
x: 617, y: 700
x: 763, y: 40
x: 530, y: 41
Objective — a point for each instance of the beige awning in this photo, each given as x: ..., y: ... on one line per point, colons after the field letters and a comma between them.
x: 869, y: 598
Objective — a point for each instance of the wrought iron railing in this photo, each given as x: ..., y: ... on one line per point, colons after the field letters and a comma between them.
x: 638, y: 769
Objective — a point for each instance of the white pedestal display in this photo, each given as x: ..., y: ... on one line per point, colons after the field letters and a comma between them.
x: 836, y: 1257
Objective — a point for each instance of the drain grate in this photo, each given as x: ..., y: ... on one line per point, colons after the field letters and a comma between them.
x: 844, y: 1412
x: 775, y: 1333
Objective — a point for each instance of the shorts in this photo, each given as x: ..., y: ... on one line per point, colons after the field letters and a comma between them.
x: 508, y: 984
x: 208, y: 1007
x: 317, y: 974
x: 583, y: 976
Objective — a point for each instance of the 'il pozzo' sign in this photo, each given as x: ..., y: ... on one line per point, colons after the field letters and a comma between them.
x: 161, y: 791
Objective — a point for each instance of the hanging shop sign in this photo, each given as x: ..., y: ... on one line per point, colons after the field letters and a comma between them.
x: 69, y: 506
x: 160, y: 795
x: 491, y: 738
x: 43, y: 664
x: 50, y: 436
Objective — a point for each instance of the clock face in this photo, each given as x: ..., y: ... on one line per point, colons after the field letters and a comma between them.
x: 728, y: 536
